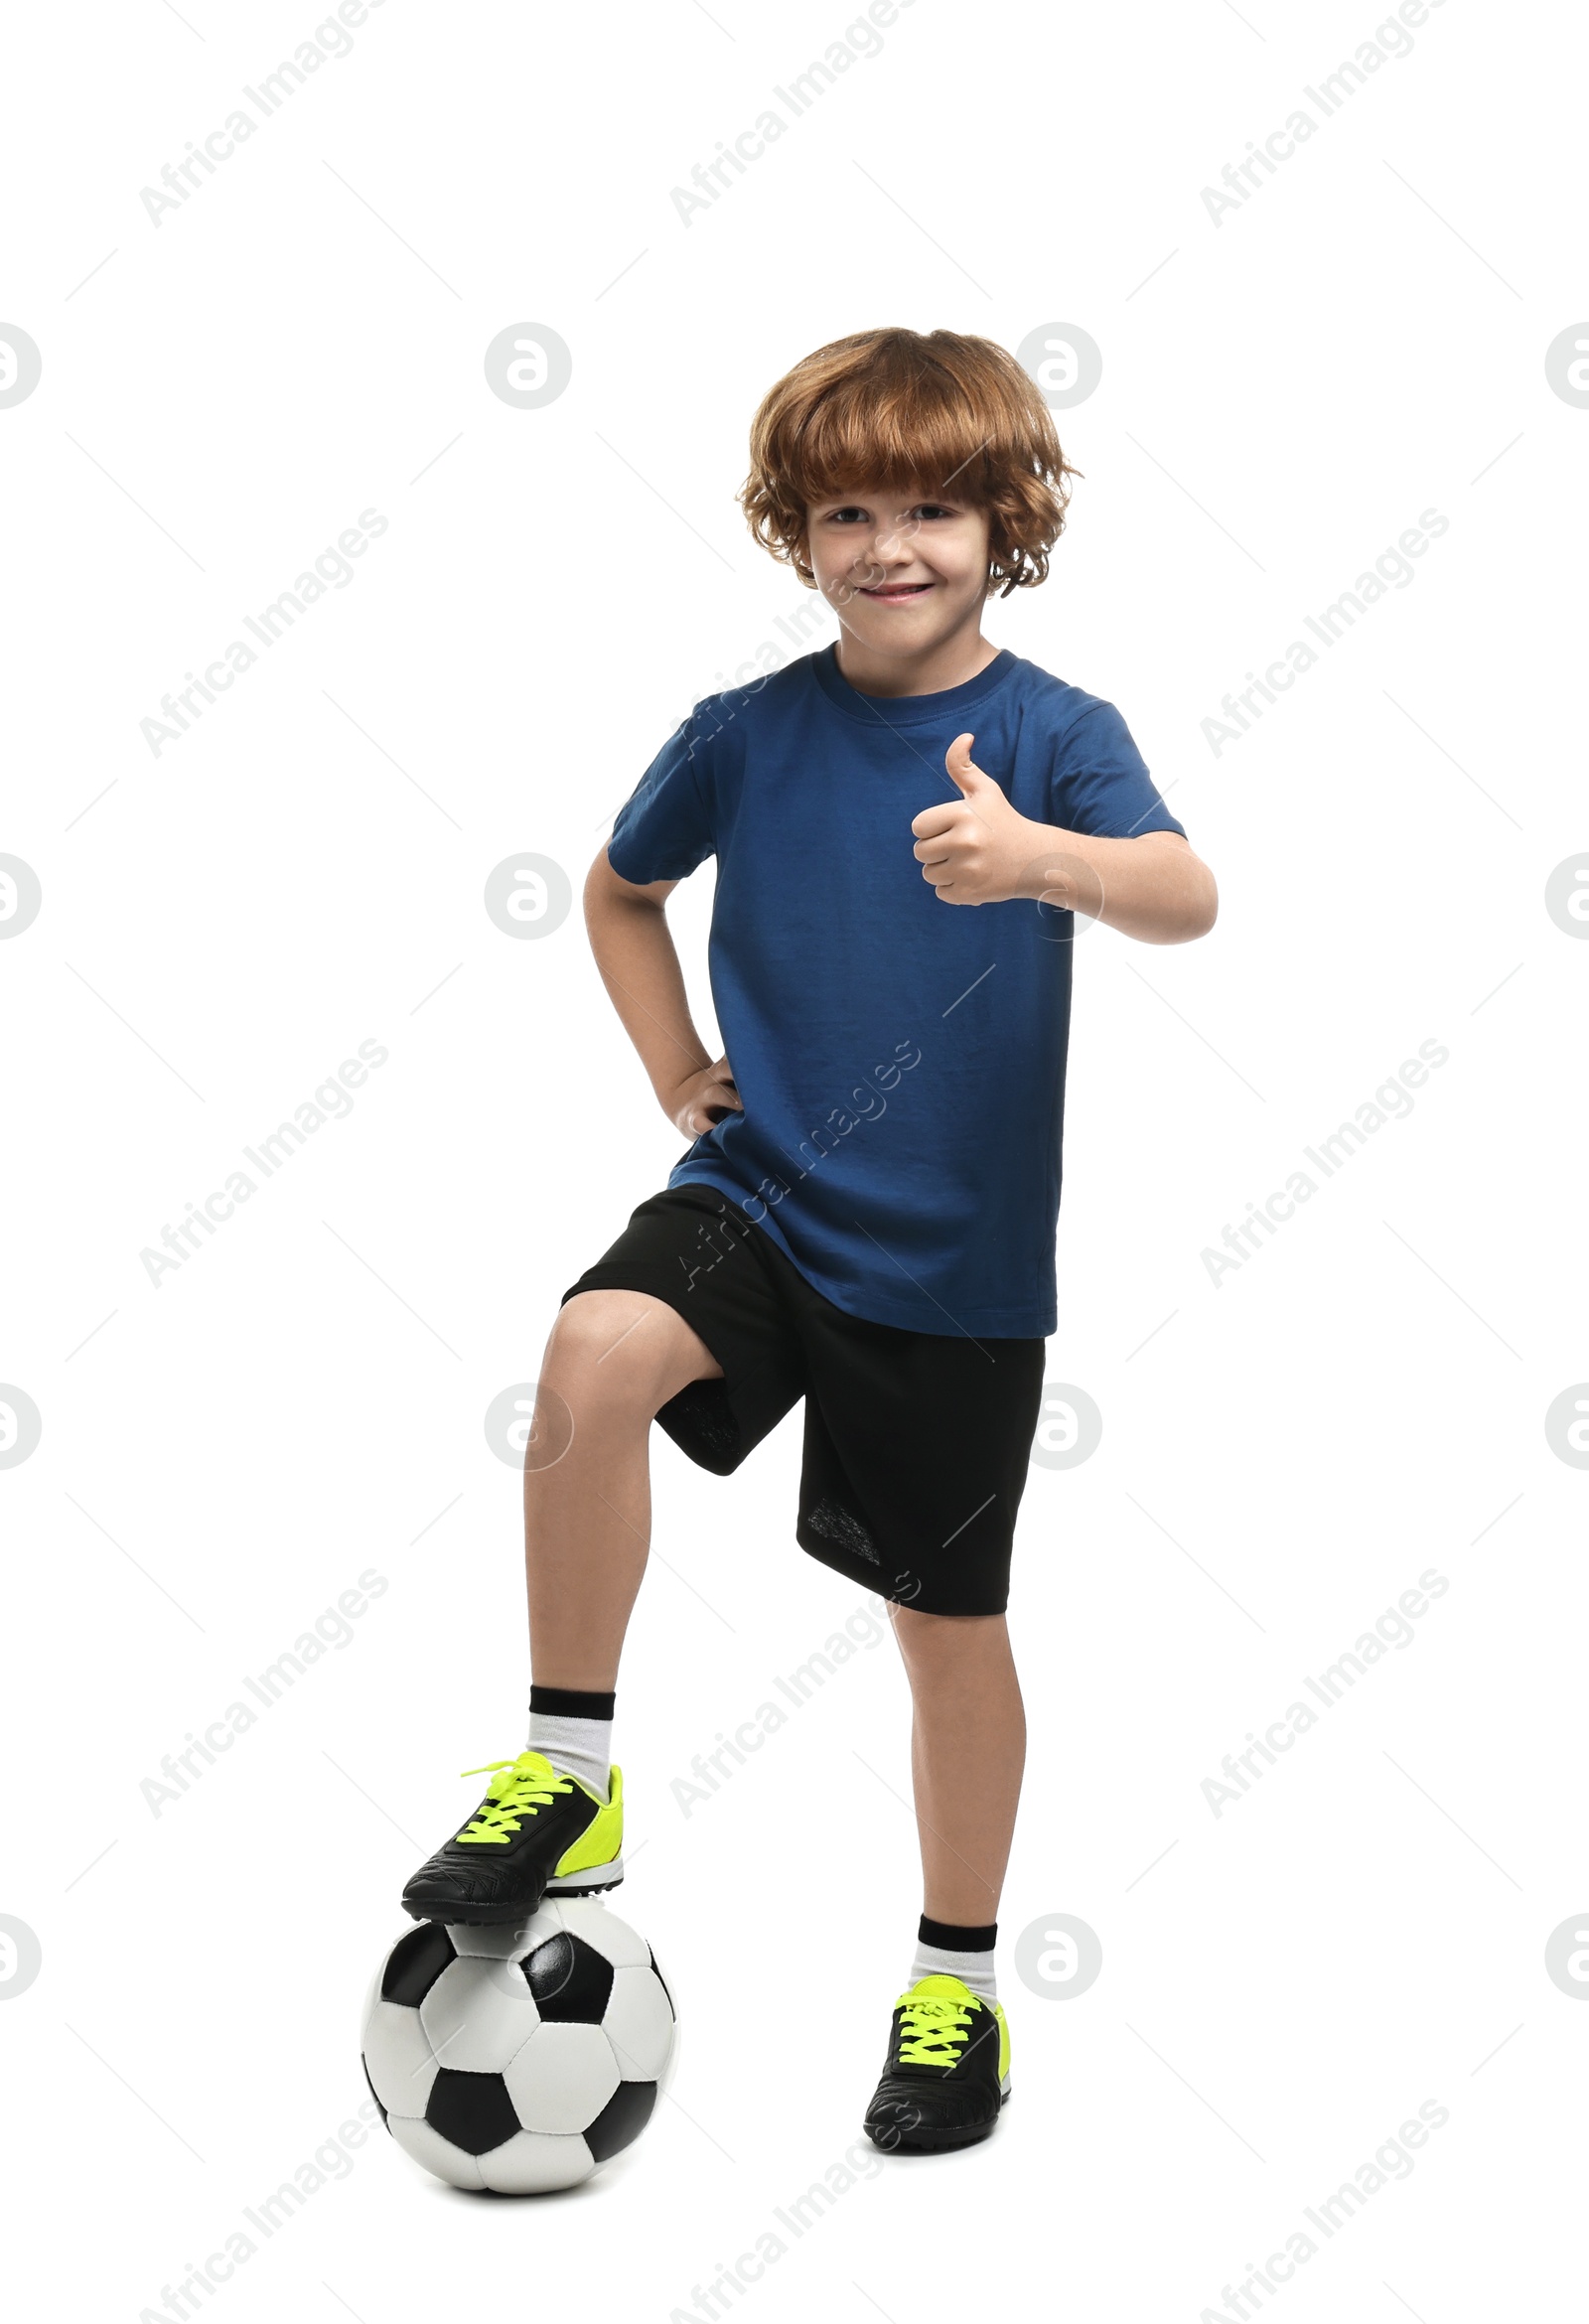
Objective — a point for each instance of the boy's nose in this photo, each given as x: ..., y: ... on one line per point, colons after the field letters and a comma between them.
x: 888, y: 550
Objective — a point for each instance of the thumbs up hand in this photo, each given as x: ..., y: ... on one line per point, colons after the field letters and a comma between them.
x: 975, y: 849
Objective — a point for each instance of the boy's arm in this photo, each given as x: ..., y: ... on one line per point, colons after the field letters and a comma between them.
x: 633, y: 950
x: 1153, y: 887
x: 979, y: 850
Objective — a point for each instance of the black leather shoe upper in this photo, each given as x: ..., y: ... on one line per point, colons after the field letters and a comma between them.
x: 503, y: 1874
x: 920, y: 2105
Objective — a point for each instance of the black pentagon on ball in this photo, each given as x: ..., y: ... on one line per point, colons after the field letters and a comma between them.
x: 663, y: 1982
x: 374, y: 2094
x: 474, y: 2110
x: 415, y: 1963
x: 623, y: 2118
x: 571, y: 1982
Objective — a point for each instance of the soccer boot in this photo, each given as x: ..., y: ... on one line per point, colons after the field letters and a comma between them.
x: 947, y: 2071
x: 537, y: 1833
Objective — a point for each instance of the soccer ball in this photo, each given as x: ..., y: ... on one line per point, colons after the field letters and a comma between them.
x: 518, y: 2059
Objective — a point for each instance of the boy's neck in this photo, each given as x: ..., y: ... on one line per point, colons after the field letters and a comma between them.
x: 951, y: 661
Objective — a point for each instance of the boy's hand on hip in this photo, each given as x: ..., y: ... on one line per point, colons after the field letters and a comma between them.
x: 702, y: 1099
x: 977, y: 849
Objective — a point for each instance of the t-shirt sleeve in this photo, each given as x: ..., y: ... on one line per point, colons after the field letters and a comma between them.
x: 1101, y: 783
x: 663, y: 829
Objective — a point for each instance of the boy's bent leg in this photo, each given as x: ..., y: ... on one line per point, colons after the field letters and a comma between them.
x: 612, y: 1360
x: 967, y: 1752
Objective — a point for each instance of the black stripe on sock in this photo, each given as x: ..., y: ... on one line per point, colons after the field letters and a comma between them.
x: 950, y: 1938
x: 568, y: 1702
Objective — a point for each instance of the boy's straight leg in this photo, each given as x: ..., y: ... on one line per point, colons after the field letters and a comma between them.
x: 947, y: 2071
x: 967, y: 1752
x: 612, y: 1360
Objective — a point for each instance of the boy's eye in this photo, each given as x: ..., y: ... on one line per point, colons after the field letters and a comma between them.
x: 853, y: 515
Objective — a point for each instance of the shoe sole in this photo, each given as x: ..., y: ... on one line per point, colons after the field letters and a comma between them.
x: 941, y: 2141
x: 592, y: 1883
x: 589, y: 1883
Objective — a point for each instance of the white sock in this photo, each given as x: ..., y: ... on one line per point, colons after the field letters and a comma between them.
x: 581, y: 1748
x: 972, y: 1969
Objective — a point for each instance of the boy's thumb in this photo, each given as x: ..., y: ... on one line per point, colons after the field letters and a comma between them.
x: 958, y: 760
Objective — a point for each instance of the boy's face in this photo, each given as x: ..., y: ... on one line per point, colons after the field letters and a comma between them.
x: 903, y: 571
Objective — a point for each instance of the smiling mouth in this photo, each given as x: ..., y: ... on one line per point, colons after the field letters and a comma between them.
x: 898, y: 592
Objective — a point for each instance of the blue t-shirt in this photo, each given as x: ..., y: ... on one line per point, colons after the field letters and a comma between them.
x: 901, y: 1061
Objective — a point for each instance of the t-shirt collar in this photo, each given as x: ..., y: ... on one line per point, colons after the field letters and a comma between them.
x: 907, y: 709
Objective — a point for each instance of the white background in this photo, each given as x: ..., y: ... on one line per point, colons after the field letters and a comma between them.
x: 1283, y: 393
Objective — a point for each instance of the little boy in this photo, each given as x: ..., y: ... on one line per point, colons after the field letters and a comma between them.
x: 866, y: 1216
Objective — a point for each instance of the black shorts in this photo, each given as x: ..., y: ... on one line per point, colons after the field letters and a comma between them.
x: 916, y: 1443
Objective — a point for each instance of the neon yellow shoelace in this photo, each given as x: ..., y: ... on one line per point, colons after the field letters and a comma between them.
x: 519, y: 1788
x: 934, y: 2032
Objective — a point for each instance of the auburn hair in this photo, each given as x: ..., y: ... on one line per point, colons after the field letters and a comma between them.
x: 937, y: 411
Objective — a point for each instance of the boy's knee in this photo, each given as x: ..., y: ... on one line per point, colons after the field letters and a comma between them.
x: 619, y: 1346
x: 924, y: 1633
